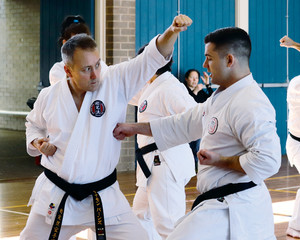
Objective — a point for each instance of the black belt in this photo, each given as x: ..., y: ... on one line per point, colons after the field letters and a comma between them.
x: 139, y: 154
x: 223, y: 191
x: 294, y: 137
x: 80, y: 192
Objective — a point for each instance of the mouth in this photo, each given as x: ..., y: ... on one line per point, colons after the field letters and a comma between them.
x: 94, y: 82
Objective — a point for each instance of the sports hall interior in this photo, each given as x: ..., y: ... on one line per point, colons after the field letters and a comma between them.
x: 28, y: 48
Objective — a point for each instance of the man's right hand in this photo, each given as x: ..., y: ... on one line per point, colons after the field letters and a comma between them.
x: 44, y: 146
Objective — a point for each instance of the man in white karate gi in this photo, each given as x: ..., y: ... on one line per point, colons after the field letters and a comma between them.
x: 239, y: 146
x: 293, y: 139
x: 160, y: 199
x: 71, y: 125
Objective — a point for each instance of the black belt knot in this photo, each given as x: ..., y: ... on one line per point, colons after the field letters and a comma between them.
x: 223, y: 191
x: 139, y: 154
x: 80, y: 192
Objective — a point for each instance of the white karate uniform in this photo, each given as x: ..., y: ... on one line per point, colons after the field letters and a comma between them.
x: 292, y: 145
x: 160, y: 199
x: 86, y: 149
x: 237, y: 121
x: 57, y: 72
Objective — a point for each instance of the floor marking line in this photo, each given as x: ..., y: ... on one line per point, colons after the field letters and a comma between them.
x: 275, y: 190
x: 287, y: 188
x: 290, y: 176
x: 3, y: 210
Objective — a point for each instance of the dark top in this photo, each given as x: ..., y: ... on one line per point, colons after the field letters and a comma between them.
x: 202, y: 94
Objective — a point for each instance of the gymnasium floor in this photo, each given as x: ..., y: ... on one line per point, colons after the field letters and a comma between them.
x: 18, y: 172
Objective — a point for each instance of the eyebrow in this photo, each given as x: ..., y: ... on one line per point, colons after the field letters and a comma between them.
x: 99, y: 60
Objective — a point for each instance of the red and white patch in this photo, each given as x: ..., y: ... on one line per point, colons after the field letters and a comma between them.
x: 97, y: 108
x: 143, y: 106
x: 213, y: 125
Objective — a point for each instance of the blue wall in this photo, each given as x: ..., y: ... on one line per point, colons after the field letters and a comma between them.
x: 154, y: 16
x: 267, y: 24
x: 207, y: 16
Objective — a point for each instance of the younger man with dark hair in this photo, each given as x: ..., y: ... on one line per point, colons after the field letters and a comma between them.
x: 239, y: 146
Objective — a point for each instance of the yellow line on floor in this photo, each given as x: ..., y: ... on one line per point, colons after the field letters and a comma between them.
x: 290, y: 176
x: 283, y: 191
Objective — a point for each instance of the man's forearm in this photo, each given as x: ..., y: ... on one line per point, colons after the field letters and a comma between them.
x: 232, y: 162
x: 166, y: 41
x: 143, y: 128
x: 297, y: 46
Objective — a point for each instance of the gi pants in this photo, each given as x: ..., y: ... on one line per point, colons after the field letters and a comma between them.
x: 293, y: 154
x: 161, y: 203
x: 124, y: 226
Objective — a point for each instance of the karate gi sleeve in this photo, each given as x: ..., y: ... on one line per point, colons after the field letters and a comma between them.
x: 133, y: 74
x: 178, y: 129
x: 254, y: 125
x: 35, y: 125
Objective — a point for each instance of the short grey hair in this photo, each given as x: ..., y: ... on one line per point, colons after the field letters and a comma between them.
x: 82, y: 41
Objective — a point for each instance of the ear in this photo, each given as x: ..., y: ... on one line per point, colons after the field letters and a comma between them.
x: 64, y: 41
x: 230, y: 60
x: 68, y: 71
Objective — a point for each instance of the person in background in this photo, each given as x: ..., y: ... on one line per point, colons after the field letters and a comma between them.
x: 160, y: 198
x: 196, y: 89
x: 71, y: 25
x: 200, y: 94
x: 293, y: 139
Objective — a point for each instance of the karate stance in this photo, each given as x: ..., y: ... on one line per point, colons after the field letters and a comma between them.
x: 293, y: 139
x: 71, y: 125
x: 160, y: 199
x: 239, y: 146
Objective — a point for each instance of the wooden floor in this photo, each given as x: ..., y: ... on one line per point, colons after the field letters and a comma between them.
x: 15, y: 191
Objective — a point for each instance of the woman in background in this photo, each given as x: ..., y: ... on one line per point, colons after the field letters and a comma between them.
x: 200, y: 94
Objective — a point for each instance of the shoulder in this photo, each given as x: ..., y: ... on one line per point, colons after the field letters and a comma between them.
x: 251, y: 102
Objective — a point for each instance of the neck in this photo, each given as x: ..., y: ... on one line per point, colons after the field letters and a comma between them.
x: 235, y: 77
x: 78, y: 96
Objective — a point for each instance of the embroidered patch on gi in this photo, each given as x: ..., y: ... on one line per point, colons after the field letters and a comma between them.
x: 143, y: 106
x: 51, y: 209
x: 213, y: 125
x: 156, y: 160
x: 97, y: 108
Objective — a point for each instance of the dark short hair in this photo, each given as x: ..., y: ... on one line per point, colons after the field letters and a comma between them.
x: 82, y: 41
x: 230, y: 38
x: 188, y: 72
x: 72, y: 25
x: 166, y: 68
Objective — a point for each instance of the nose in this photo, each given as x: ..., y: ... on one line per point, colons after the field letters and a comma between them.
x: 205, y: 65
x: 93, y: 74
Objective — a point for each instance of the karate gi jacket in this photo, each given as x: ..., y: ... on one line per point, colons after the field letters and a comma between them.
x: 86, y: 149
x: 165, y: 96
x: 239, y: 120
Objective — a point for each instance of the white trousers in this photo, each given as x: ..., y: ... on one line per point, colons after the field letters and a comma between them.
x: 124, y: 226
x: 293, y: 154
x: 159, y: 205
x: 209, y: 222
